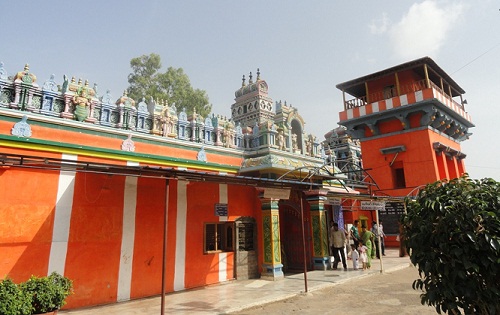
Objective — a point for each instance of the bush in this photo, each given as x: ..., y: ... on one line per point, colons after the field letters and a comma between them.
x: 48, y: 293
x: 13, y: 301
x: 452, y: 232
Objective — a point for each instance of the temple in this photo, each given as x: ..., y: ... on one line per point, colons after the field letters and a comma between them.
x: 135, y: 198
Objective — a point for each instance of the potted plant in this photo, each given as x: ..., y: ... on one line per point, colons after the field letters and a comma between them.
x: 48, y: 293
x: 13, y: 300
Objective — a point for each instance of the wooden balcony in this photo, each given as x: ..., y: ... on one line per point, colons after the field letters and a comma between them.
x: 403, y: 90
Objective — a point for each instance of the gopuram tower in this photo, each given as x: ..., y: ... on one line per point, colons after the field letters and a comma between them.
x: 252, y: 104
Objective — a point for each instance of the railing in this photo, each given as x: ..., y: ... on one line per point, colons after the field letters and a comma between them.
x: 437, y: 88
x: 392, y: 92
x: 357, y: 102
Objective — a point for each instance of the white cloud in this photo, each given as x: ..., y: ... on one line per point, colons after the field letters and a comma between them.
x: 379, y: 26
x: 423, y: 30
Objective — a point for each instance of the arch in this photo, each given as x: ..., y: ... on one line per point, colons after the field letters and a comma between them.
x: 297, y: 130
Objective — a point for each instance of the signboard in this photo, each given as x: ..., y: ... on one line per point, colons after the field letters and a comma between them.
x: 277, y: 193
x: 372, y: 205
x: 393, y: 208
x: 221, y: 209
x: 334, y: 201
x: 390, y: 217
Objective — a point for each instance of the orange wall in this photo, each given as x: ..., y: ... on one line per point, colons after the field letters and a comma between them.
x: 93, y: 255
x: 95, y: 236
x: 200, y: 210
x: 420, y: 162
x: 150, y: 214
x: 417, y: 160
x: 27, y: 211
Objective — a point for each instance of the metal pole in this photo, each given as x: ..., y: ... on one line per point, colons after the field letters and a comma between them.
x: 303, y: 240
x: 164, y: 259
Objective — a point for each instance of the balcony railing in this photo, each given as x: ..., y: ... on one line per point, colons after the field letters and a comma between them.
x: 392, y: 92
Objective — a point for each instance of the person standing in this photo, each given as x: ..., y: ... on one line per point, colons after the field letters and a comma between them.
x: 354, y: 257
x: 367, y: 239
x: 337, y: 243
x: 355, y: 233
x: 363, y: 257
x: 375, y: 230
x: 382, y: 237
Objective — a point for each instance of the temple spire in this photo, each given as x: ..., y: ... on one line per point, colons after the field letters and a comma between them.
x: 258, y: 74
x: 243, y: 81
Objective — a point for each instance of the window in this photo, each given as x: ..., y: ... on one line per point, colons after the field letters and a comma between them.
x: 219, y: 237
x: 246, y: 236
x: 398, y: 175
x: 399, y: 178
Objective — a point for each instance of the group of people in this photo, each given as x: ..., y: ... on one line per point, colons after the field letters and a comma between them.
x: 363, y: 249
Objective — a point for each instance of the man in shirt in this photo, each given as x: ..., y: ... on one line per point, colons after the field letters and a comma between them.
x: 375, y: 231
x: 355, y: 233
x: 337, y: 243
x: 382, y: 237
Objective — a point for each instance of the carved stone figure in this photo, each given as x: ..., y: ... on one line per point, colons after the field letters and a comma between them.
x: 281, y: 140
x: 82, y: 99
x: 294, y: 142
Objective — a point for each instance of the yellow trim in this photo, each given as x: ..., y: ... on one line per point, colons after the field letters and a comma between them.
x: 110, y: 156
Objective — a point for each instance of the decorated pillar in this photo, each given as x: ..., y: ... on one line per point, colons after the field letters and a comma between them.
x: 272, y: 268
x: 316, y: 200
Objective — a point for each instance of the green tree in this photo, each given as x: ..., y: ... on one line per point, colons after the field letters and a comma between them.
x: 452, y: 232
x: 173, y: 86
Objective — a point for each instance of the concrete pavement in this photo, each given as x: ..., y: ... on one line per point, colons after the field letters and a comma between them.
x: 237, y: 295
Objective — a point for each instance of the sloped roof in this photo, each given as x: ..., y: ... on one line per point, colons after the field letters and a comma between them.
x: 356, y: 87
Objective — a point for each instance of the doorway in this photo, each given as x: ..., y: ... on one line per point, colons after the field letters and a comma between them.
x: 247, y: 266
x: 292, y: 245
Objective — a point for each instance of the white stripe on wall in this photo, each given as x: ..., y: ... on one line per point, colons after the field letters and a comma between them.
x: 223, y: 198
x: 180, y: 236
x: 128, y: 237
x: 388, y: 103
x: 350, y: 113
x: 404, y: 99
x: 362, y: 110
x: 223, y: 256
x: 419, y: 96
x: 62, y: 219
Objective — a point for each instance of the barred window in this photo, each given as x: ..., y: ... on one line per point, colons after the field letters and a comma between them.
x: 219, y: 237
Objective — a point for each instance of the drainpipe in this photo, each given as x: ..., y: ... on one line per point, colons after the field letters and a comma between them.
x: 164, y: 259
x: 303, y: 239
x: 379, y: 249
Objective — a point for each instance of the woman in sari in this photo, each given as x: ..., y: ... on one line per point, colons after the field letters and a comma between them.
x: 367, y: 239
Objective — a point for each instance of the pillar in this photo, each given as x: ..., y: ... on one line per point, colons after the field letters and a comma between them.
x: 319, y: 228
x: 272, y: 268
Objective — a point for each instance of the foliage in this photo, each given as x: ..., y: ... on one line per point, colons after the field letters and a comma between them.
x: 452, y: 232
x: 13, y: 300
x: 48, y: 293
x: 172, y: 86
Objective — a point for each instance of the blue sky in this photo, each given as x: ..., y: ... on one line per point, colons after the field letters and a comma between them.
x: 303, y: 49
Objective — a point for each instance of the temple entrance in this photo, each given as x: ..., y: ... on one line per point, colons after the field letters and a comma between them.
x: 247, y: 265
x: 292, y: 247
